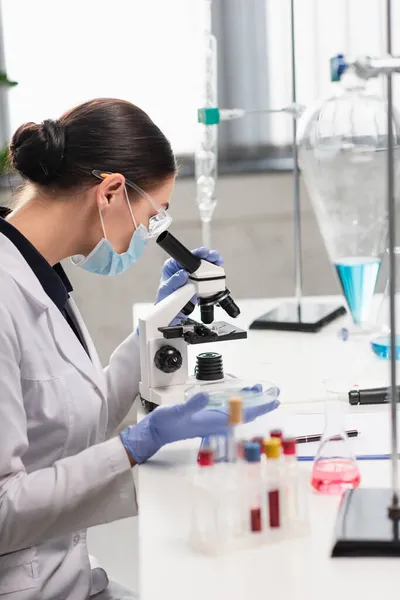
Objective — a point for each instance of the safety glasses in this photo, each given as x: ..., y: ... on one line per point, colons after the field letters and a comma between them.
x: 159, y: 222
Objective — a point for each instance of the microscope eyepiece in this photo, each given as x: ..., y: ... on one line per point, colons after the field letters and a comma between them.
x: 178, y: 251
x: 191, y: 263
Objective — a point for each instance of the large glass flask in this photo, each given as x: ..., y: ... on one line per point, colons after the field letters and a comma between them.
x: 343, y: 158
x: 335, y: 468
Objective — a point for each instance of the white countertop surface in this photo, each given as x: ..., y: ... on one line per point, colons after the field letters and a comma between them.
x: 302, y: 568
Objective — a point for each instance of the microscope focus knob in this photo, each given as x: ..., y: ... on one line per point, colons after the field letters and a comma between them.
x: 168, y: 359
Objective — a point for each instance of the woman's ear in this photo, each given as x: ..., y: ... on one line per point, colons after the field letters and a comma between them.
x: 109, y: 190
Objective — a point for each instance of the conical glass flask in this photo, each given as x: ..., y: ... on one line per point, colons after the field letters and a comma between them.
x: 380, y: 344
x: 342, y: 155
x: 335, y: 468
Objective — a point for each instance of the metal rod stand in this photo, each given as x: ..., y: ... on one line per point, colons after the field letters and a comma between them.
x: 296, y: 175
x: 377, y: 534
x: 394, y: 510
x: 301, y: 316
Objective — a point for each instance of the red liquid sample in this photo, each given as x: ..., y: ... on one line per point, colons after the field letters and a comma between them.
x: 255, y: 519
x: 335, y: 476
x: 273, y: 505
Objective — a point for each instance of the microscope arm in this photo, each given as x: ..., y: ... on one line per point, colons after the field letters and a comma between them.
x: 160, y: 315
x: 165, y: 311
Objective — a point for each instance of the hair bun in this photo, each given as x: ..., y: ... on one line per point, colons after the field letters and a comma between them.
x: 37, y: 151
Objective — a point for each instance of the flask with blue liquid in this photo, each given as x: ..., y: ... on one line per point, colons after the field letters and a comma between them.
x: 343, y: 158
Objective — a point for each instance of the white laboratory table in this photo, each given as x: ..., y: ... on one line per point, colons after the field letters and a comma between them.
x: 302, y: 568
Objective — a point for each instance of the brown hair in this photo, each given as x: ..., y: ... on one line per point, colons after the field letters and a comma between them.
x: 106, y: 134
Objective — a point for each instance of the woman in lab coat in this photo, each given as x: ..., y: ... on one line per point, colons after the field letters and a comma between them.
x: 98, y: 183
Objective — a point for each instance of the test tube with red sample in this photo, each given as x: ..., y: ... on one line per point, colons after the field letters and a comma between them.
x: 291, y: 479
x: 272, y: 449
x: 252, y: 456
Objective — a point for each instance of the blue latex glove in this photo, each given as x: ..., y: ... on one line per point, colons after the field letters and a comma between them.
x: 173, y: 276
x: 168, y: 424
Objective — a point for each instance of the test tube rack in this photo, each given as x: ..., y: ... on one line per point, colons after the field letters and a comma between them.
x: 223, y: 517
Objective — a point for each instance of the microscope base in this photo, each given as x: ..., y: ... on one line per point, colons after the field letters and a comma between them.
x: 364, y: 527
x: 306, y: 317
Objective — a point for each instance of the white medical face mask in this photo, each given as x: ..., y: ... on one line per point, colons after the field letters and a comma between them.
x: 103, y: 259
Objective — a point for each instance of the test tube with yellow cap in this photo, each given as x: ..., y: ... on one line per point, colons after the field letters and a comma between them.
x: 234, y: 419
x: 272, y: 449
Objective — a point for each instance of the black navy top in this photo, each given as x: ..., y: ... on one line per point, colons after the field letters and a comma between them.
x: 53, y: 280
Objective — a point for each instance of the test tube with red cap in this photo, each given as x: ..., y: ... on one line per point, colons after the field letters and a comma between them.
x: 291, y: 479
x: 205, y: 530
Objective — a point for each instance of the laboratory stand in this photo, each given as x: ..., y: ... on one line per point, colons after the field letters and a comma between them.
x: 377, y: 533
x: 298, y: 314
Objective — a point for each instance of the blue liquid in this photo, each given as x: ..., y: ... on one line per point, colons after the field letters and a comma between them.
x: 381, y: 346
x: 358, y: 276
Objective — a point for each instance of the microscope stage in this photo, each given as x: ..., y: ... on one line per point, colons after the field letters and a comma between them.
x: 197, y: 333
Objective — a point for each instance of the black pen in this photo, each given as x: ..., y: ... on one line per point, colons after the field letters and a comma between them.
x: 370, y: 396
x: 303, y: 439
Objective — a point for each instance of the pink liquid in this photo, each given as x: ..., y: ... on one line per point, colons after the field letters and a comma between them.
x: 335, y: 476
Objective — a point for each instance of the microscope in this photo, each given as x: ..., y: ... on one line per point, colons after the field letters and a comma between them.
x: 164, y: 348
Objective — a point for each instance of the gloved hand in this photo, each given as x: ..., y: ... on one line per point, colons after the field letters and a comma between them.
x: 173, y: 276
x: 168, y: 424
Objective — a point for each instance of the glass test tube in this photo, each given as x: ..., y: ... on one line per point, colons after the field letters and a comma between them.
x: 217, y: 443
x: 235, y: 418
x: 272, y: 449
x: 253, y: 483
x: 206, y: 518
x: 291, y: 479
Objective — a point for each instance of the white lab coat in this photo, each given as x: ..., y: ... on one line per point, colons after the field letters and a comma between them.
x: 59, y: 472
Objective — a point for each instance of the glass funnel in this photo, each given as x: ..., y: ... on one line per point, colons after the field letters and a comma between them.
x: 335, y: 468
x: 343, y: 158
x: 380, y: 344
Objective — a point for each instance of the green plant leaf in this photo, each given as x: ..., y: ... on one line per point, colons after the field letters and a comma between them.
x: 4, y: 164
x: 5, y: 81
